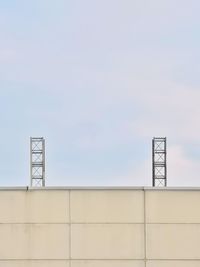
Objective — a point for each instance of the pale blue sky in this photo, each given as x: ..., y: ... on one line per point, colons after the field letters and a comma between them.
x: 98, y: 79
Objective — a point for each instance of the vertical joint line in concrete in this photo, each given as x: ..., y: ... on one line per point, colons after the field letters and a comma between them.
x: 69, y: 227
x: 145, y: 231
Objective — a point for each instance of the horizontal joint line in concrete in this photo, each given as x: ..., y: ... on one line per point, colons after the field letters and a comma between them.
x: 142, y: 260
x: 173, y: 223
x: 32, y: 223
x: 105, y: 223
x: 100, y: 223
x: 180, y: 259
x: 71, y: 259
x: 34, y: 260
x: 85, y: 259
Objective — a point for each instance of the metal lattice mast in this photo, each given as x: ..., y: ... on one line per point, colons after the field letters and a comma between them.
x: 159, y: 161
x: 37, y: 161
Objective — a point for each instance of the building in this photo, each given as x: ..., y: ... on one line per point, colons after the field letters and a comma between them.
x: 100, y: 227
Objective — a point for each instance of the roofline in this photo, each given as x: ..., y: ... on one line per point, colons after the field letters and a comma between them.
x: 143, y: 188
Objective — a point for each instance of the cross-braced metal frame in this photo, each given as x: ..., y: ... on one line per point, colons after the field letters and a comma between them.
x: 37, y: 161
x: 159, y: 161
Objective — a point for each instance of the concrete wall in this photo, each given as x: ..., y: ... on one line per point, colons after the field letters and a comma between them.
x: 136, y: 227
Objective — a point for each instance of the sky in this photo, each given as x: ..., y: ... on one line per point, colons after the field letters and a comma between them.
x: 98, y: 79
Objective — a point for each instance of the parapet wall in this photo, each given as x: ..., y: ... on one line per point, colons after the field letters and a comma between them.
x: 99, y: 227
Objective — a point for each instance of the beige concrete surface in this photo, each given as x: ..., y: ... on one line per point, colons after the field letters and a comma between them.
x: 37, y: 263
x: 99, y: 228
x: 13, y: 206
x: 107, y: 241
x: 173, y: 241
x: 34, y: 206
x: 49, y: 206
x: 110, y: 263
x: 172, y: 206
x: 50, y: 241
x: 107, y: 206
x: 34, y: 241
x: 176, y: 263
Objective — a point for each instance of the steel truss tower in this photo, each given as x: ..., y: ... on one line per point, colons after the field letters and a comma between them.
x: 37, y: 161
x: 159, y: 161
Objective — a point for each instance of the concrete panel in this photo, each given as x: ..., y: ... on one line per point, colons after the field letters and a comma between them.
x: 50, y: 241
x: 107, y: 206
x: 34, y: 206
x: 173, y: 241
x: 38, y: 263
x: 107, y: 241
x: 172, y: 206
x: 13, y: 206
x: 49, y: 206
x: 34, y: 241
x: 173, y: 263
x: 110, y: 263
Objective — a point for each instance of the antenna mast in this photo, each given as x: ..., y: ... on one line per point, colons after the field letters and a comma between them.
x: 37, y: 161
x: 159, y: 161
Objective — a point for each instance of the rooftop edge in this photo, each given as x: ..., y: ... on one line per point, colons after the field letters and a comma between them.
x: 144, y: 188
